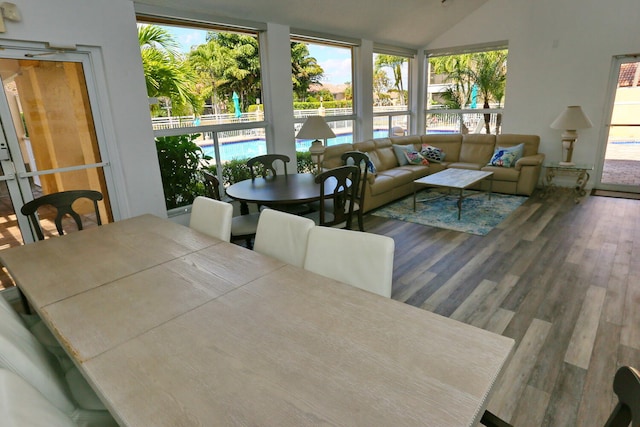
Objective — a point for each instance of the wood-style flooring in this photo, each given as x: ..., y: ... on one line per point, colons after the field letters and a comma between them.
x: 561, y: 279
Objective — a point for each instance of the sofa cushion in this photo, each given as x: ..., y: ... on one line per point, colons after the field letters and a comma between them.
x: 382, y: 184
x: 463, y: 165
x: 416, y: 171
x: 477, y: 148
x: 448, y: 143
x: 503, y: 174
x: 401, y: 175
x: 531, y: 142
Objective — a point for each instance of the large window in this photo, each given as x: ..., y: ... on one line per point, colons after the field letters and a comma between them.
x: 391, y: 95
x: 204, y: 87
x: 322, y: 75
x: 471, y: 88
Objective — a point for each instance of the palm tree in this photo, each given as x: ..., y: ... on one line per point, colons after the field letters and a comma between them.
x: 305, y: 70
x: 395, y: 63
x: 166, y: 74
x: 489, y: 73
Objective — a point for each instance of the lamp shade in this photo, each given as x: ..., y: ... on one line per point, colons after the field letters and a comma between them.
x: 572, y: 118
x: 315, y: 128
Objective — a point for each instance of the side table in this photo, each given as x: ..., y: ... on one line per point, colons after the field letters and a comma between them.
x: 581, y: 172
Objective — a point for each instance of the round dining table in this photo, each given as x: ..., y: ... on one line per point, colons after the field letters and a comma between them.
x: 279, y: 190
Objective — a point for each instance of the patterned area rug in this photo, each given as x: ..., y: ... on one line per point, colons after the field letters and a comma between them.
x: 439, y: 209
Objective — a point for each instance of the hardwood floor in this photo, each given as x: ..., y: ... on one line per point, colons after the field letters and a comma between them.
x: 562, y: 280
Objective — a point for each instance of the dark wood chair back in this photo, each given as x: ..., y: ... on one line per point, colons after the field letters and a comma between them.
x: 63, y: 203
x: 211, y: 185
x: 343, y: 178
x: 626, y: 385
x: 361, y: 160
x: 267, y: 161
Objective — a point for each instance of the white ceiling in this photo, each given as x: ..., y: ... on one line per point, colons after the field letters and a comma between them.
x: 404, y: 23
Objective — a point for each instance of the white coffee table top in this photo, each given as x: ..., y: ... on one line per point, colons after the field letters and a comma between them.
x: 454, y: 178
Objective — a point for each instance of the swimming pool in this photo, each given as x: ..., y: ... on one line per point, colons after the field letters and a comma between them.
x: 257, y: 147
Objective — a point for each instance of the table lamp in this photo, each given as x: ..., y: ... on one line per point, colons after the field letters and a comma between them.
x: 571, y: 119
x: 316, y: 128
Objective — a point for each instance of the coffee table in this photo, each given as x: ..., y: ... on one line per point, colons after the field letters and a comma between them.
x: 459, y: 179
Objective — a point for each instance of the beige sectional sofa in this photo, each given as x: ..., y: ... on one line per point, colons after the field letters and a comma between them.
x: 473, y: 151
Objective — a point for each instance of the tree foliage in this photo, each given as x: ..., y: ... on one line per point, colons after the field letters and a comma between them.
x: 395, y: 63
x: 305, y: 70
x: 166, y: 74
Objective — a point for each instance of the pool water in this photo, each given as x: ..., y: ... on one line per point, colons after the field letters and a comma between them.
x: 257, y: 147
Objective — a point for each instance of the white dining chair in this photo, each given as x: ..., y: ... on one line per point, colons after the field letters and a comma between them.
x: 65, y: 387
x: 363, y: 260
x: 212, y: 217
x: 23, y: 405
x: 283, y: 236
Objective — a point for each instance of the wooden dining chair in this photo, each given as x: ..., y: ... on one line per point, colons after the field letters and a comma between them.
x: 63, y: 203
x: 361, y: 160
x: 243, y: 227
x: 265, y: 165
x: 626, y: 385
x: 339, y: 211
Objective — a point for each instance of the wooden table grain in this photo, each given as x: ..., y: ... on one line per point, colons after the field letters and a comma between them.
x: 203, y: 332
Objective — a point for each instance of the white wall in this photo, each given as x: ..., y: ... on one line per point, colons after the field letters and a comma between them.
x: 111, y: 27
x: 560, y: 54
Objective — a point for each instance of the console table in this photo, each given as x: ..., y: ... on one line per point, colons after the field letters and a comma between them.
x: 581, y: 172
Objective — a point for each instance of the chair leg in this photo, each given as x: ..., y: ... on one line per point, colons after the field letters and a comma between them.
x: 25, y: 302
x: 360, y: 220
x: 490, y: 420
x: 249, y: 242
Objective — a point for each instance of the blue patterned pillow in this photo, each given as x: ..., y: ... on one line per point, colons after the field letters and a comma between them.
x: 503, y: 158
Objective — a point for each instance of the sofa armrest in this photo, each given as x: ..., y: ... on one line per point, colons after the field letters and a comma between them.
x: 535, y: 160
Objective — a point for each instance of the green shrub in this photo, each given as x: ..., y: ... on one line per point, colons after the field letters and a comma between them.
x: 179, y: 159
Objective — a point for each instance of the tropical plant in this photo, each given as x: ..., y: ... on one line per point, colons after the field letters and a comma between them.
x: 305, y: 70
x: 395, y: 63
x: 489, y: 74
x: 180, y: 159
x: 166, y: 74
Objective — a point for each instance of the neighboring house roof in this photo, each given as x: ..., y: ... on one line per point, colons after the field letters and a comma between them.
x: 629, y: 75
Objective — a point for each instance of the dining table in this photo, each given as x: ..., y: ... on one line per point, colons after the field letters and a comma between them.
x: 175, y: 328
x: 286, y: 189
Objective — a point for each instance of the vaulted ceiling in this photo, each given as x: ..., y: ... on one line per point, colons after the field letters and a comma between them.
x: 405, y: 23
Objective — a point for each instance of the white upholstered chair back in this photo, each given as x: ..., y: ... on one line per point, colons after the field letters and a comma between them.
x: 283, y: 236
x: 23, y: 405
x: 212, y: 217
x: 363, y: 260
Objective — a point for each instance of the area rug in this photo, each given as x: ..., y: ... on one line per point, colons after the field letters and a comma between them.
x: 438, y: 208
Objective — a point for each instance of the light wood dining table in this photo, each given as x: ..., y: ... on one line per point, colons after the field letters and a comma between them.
x: 174, y: 328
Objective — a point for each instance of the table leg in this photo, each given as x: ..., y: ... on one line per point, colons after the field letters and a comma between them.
x: 244, y: 208
x: 460, y: 204
x: 414, y: 197
x: 581, y: 181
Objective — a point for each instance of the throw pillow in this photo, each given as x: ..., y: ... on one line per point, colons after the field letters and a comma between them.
x: 503, y: 158
x: 371, y: 167
x: 399, y: 151
x: 431, y: 153
x: 518, y: 149
x: 415, y: 158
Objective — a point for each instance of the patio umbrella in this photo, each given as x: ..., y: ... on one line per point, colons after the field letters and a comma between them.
x: 236, y: 104
x: 474, y: 96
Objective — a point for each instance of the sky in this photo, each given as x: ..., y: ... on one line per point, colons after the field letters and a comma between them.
x: 335, y: 61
